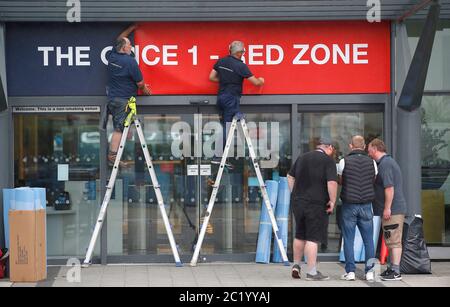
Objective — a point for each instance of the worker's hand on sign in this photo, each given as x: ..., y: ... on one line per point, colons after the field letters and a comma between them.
x: 261, y: 79
x: 146, y: 90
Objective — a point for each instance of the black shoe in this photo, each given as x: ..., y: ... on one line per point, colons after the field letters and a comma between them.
x: 386, y: 273
x: 218, y: 160
x: 296, y: 271
x: 391, y: 276
x: 317, y: 277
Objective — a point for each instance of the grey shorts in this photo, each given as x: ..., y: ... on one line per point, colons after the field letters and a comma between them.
x: 116, y: 107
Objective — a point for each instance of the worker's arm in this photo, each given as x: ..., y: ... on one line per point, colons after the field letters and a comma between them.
x: 388, y: 198
x: 256, y: 81
x: 213, y: 76
x: 127, y: 31
x: 144, y: 87
x: 291, y: 182
x: 332, y: 194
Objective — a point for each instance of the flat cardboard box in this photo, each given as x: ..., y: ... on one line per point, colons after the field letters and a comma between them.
x: 28, y: 255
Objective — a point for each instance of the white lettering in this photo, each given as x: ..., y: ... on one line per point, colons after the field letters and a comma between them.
x: 103, y: 54
x: 68, y: 56
x: 303, y: 50
x: 79, y: 56
x: 252, y: 54
x: 337, y: 51
x: 357, y: 53
x: 167, y: 55
x: 45, y: 51
x: 135, y: 49
x: 314, y: 56
x: 145, y: 58
x: 269, y: 59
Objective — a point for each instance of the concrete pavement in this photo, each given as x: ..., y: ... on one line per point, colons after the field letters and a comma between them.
x: 223, y: 275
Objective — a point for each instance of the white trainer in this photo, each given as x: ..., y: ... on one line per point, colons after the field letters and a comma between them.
x: 350, y: 276
x: 370, y: 276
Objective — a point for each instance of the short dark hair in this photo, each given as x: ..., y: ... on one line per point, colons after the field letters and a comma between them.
x: 119, y: 43
x: 378, y: 144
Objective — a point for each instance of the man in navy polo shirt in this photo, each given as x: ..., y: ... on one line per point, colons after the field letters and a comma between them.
x: 230, y: 72
x: 124, y: 80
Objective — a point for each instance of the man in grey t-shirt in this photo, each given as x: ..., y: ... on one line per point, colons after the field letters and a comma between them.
x: 390, y: 204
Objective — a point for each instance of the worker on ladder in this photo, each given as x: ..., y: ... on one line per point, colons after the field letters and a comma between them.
x: 124, y: 80
x: 230, y: 72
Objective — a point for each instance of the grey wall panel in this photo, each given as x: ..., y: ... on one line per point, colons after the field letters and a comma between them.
x: 5, y: 128
x: 207, y: 10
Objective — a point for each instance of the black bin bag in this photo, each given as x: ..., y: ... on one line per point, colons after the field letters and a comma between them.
x: 415, y: 257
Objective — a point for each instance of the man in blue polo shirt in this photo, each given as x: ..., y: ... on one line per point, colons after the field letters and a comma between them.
x: 124, y: 80
x: 230, y: 72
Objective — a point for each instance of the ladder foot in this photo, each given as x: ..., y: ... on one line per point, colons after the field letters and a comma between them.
x: 85, y: 265
x: 178, y: 264
x: 193, y: 264
x: 287, y: 263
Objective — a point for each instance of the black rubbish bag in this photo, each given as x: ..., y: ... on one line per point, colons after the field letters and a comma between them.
x: 415, y: 257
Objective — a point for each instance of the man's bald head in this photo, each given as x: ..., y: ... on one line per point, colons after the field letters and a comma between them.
x: 358, y: 142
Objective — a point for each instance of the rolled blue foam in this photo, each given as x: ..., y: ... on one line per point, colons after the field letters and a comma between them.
x: 40, y: 201
x: 24, y: 199
x: 376, y: 234
x: 265, y: 226
x: 8, y: 202
x: 357, y: 247
x: 282, y: 217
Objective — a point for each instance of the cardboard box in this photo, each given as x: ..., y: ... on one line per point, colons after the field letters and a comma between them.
x: 28, y: 254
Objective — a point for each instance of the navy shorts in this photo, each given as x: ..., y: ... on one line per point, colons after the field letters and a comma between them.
x: 116, y: 107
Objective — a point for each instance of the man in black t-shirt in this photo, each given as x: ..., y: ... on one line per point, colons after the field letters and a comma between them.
x: 230, y: 72
x: 313, y: 183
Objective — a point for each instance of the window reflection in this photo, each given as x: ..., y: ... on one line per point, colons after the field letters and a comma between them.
x: 61, y: 154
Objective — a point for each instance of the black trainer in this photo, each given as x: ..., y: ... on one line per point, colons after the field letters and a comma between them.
x: 296, y: 271
x: 318, y: 277
x: 392, y: 276
x: 386, y: 273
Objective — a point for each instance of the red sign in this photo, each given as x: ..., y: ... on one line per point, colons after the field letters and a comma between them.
x: 293, y: 57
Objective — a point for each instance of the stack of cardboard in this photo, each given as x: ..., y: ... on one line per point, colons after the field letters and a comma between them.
x: 27, y: 234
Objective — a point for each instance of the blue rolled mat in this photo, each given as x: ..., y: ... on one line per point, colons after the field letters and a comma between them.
x: 357, y: 247
x: 40, y: 201
x: 376, y: 235
x: 8, y: 202
x: 24, y: 199
x: 282, y: 217
x: 265, y: 226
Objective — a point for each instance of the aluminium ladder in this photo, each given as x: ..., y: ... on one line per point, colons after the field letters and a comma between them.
x: 132, y: 117
x: 216, y: 189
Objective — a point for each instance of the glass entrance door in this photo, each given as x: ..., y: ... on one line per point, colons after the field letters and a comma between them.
x: 340, y: 127
x: 182, y: 142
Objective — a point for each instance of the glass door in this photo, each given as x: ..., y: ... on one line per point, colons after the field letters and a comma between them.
x: 169, y: 134
x: 233, y: 229
x: 182, y: 142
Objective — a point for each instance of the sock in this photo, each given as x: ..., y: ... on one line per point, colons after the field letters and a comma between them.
x: 395, y: 268
x: 313, y: 271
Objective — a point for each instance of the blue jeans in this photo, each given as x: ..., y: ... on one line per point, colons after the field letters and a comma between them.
x: 362, y: 216
x: 229, y: 106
